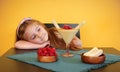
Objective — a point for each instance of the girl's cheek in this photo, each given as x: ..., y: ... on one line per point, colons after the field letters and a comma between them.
x: 38, y: 41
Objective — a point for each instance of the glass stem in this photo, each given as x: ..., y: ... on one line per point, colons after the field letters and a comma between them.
x: 67, y: 49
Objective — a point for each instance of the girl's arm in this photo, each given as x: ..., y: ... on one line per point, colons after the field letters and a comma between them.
x: 28, y: 45
x: 76, y: 44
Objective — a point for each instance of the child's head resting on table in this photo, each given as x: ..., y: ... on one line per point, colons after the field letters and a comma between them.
x: 32, y: 31
x: 32, y: 34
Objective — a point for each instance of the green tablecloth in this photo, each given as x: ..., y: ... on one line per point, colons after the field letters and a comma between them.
x: 73, y: 64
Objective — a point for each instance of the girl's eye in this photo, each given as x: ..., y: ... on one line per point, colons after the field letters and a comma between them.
x: 38, y: 29
x: 33, y: 37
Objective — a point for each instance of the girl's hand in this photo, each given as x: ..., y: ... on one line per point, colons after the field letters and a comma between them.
x: 76, y: 44
x: 45, y: 44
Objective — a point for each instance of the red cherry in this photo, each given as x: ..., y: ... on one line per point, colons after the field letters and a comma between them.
x: 47, y: 51
x: 39, y: 51
x: 67, y: 27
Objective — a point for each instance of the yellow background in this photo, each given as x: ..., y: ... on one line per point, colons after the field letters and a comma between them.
x: 102, y: 16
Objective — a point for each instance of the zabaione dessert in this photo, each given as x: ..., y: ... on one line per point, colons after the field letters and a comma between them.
x: 47, y: 54
x: 94, y: 56
x: 67, y: 33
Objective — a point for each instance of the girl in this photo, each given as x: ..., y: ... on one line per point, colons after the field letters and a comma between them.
x: 32, y: 34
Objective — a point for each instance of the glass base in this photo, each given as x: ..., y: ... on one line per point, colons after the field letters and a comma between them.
x: 67, y: 55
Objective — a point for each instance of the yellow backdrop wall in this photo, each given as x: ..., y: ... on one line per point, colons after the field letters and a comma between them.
x: 102, y: 16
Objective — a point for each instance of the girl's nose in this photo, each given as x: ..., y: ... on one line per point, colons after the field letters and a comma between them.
x: 38, y: 35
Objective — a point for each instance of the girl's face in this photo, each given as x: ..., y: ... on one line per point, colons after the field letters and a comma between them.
x: 36, y: 34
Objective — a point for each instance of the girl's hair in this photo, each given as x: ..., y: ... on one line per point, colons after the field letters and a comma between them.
x: 54, y: 40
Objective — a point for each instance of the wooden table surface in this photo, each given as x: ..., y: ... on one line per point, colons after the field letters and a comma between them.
x: 9, y: 65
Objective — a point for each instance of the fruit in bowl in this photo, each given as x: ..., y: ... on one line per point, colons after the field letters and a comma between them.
x: 94, y: 56
x: 47, y: 54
